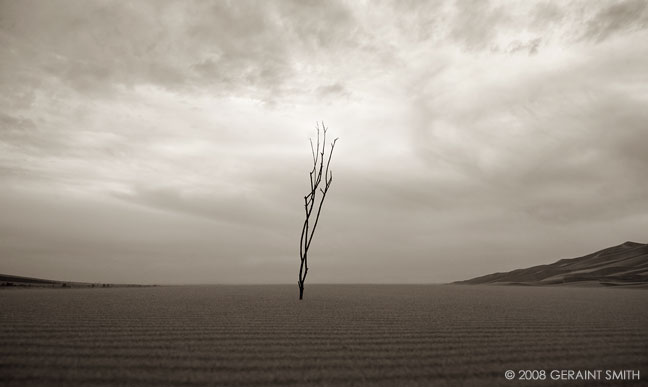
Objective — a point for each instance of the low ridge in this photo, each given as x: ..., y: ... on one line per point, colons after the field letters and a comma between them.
x: 8, y: 280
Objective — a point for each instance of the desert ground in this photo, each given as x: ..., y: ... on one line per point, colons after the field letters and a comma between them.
x: 339, y: 335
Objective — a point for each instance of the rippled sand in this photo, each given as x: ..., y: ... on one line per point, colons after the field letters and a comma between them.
x: 339, y: 335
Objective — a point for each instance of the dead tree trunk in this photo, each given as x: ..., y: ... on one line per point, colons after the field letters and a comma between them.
x: 314, y: 200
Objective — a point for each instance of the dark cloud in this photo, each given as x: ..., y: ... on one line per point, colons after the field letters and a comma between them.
x: 476, y: 23
x: 333, y: 90
x: 244, y: 47
x: 531, y: 46
x: 622, y: 16
x: 546, y: 13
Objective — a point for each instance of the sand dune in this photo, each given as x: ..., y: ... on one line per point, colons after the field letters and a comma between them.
x: 622, y: 265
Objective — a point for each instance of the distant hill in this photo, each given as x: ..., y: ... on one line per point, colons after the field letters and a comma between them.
x: 7, y: 280
x: 622, y: 265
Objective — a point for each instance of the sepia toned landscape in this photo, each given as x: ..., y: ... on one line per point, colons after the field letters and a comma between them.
x: 323, y: 193
x: 344, y: 335
x: 584, y: 313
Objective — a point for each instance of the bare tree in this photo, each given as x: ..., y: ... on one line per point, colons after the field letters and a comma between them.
x: 314, y: 200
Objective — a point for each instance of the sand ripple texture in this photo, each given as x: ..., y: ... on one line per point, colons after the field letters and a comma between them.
x: 340, y: 335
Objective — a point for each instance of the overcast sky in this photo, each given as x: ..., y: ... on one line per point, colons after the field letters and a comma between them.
x: 167, y: 142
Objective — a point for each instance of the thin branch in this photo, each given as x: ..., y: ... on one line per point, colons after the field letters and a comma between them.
x: 315, y: 178
x: 330, y: 155
x: 312, y: 150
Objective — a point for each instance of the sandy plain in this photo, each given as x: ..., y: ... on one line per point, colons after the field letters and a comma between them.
x: 340, y: 335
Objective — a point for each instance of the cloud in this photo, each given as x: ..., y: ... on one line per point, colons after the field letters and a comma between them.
x: 258, y: 211
x: 622, y: 16
x: 242, y: 47
x: 552, y: 143
x: 476, y: 23
x: 333, y: 90
x: 172, y: 137
x: 530, y: 46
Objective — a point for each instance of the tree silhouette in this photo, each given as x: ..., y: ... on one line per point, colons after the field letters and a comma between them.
x: 314, y: 201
